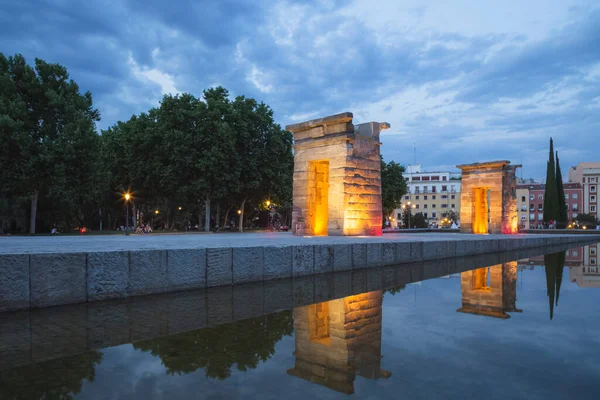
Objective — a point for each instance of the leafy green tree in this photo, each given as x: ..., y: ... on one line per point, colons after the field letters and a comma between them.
x: 47, y: 130
x: 263, y: 154
x: 419, y: 221
x: 551, y: 205
x: 587, y: 220
x: 217, y: 349
x: 562, y: 204
x: 393, y: 186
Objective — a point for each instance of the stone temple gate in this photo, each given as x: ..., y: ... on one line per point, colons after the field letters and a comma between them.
x: 337, y: 177
x: 490, y: 291
x: 488, y: 200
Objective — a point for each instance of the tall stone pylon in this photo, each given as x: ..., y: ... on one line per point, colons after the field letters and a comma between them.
x: 337, y: 177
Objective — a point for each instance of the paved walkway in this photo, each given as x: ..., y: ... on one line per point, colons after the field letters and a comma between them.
x: 75, y: 244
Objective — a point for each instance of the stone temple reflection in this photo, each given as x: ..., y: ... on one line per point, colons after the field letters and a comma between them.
x: 490, y: 291
x: 339, y: 339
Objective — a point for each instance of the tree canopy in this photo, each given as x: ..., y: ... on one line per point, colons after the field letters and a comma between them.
x: 183, y: 161
x: 393, y: 186
x: 49, y: 148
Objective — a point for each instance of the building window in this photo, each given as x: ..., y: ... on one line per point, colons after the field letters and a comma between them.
x: 425, y: 197
x: 452, y: 196
x: 417, y: 197
x: 452, y: 205
x: 523, y: 207
x: 574, y: 207
x: 592, y: 260
x: 593, y: 250
x: 433, y: 205
x: 532, y: 197
x: 399, y: 216
x: 406, y: 197
x: 593, y: 199
x: 417, y: 189
x: 444, y: 178
x: 433, y: 197
x: 523, y: 199
x: 425, y: 215
x: 574, y: 196
x: 592, y: 208
x: 575, y: 215
x: 566, y: 196
x: 424, y: 205
x: 425, y: 189
x: 532, y: 207
x: 425, y: 178
x: 593, y: 189
x: 540, y: 217
x: 433, y: 215
x: 452, y: 189
x: 523, y: 217
x: 444, y: 196
x: 433, y: 189
x: 574, y: 253
x: 540, y: 197
x: 417, y: 206
x: 444, y: 205
x: 444, y: 188
x: 532, y: 217
x: 540, y: 207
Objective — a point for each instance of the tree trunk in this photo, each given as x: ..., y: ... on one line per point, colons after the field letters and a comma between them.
x: 199, y: 214
x: 32, y: 218
x: 133, y: 216
x: 207, y: 214
x: 101, y: 220
x: 217, y: 219
x: 241, y: 227
x: 225, y: 220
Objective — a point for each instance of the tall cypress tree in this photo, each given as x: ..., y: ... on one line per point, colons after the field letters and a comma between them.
x: 551, y: 192
x: 562, y: 218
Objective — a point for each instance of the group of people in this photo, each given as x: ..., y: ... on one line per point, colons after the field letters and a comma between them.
x: 144, y: 228
x: 547, y: 225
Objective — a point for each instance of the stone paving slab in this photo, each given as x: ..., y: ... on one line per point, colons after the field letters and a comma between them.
x: 87, y: 244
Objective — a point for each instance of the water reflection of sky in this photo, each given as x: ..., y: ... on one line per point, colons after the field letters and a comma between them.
x: 431, y: 350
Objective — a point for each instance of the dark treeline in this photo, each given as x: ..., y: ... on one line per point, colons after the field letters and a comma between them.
x: 190, y: 161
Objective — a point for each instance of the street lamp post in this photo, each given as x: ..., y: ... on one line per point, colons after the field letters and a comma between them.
x: 127, y: 197
x: 409, y: 208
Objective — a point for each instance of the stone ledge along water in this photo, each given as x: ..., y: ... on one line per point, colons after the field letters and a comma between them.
x: 51, y: 271
x: 31, y: 336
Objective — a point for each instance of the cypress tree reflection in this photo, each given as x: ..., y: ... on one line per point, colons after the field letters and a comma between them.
x: 217, y: 349
x: 554, y: 264
x: 50, y: 380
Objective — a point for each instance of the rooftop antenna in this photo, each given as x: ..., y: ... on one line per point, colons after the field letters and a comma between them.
x: 414, y: 154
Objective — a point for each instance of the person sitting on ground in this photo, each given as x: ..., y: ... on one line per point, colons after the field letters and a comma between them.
x: 148, y: 229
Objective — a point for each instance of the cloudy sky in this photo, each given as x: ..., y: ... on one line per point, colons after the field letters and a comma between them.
x: 463, y: 81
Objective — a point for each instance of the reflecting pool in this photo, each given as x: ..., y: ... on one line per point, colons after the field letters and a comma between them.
x: 521, y: 329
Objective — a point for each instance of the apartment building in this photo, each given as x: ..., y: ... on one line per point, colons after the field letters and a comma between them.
x: 432, y: 193
x: 523, y: 206
x: 531, y: 197
x: 590, y: 180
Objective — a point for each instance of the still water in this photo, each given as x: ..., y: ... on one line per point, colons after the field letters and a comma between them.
x: 527, y: 329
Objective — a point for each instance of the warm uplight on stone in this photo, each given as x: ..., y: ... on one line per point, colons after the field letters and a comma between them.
x: 337, y: 177
x: 490, y: 291
x: 339, y: 339
x: 488, y: 202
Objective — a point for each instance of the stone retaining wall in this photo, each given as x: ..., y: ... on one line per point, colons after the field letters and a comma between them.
x: 44, y: 280
x: 31, y: 336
